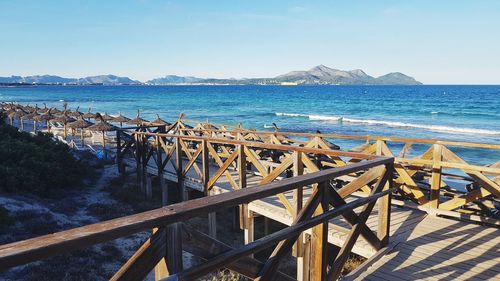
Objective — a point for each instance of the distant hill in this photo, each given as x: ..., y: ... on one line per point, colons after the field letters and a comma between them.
x: 57, y: 80
x: 319, y: 75
x: 107, y: 80
x: 174, y: 79
x: 324, y: 75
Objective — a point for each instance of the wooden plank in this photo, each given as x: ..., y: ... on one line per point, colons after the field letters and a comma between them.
x: 220, y: 163
x: 144, y: 259
x: 222, y: 169
x: 436, y: 177
x: 254, y: 159
x: 485, y: 181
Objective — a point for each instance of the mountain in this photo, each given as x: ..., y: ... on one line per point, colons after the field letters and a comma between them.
x: 396, y: 78
x: 107, y: 80
x: 57, y: 80
x: 174, y: 79
x: 324, y: 75
x: 319, y: 75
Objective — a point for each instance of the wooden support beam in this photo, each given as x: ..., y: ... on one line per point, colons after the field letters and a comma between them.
x: 298, y: 197
x: 178, y: 169
x: 319, y: 240
x: 205, y: 247
x: 436, y: 177
x: 144, y: 259
x: 174, y: 248
x: 149, y: 187
x: 384, y: 210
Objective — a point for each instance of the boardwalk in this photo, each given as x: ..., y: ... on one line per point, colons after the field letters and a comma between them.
x: 439, y: 249
x: 422, y: 246
x: 345, y: 193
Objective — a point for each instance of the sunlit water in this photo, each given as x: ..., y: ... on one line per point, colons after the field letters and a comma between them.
x: 465, y: 113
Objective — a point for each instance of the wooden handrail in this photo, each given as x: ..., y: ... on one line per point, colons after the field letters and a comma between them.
x: 263, y: 145
x: 22, y: 252
x: 359, y: 137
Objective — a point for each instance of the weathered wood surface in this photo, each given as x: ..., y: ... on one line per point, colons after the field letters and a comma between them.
x: 434, y: 248
x: 22, y: 252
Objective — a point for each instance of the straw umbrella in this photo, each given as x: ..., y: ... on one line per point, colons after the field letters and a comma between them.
x: 65, y: 119
x: 32, y: 116
x: 159, y: 122
x: 19, y: 114
x: 89, y: 114
x: 107, y: 117
x: 121, y: 119
x: 137, y: 120
x: 81, y: 124
x: 75, y: 113
x: 47, y: 116
x: 102, y: 126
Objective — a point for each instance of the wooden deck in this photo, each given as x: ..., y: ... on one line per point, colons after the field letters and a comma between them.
x: 434, y: 248
x: 421, y: 246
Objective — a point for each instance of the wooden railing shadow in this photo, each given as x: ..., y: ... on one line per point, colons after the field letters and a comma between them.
x: 443, y: 262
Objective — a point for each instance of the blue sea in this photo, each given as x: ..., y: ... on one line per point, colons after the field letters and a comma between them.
x: 463, y: 113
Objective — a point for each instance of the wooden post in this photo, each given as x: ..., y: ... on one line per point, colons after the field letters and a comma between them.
x: 436, y: 177
x: 118, y: 150
x: 249, y: 224
x: 212, y: 222
x: 161, y: 179
x: 319, y: 240
x: 298, y: 169
x: 242, y: 176
x: 138, y: 158
x: 298, y: 247
x: 161, y: 270
x: 205, y: 165
x: 144, y: 152
x: 178, y: 162
x: 384, y: 210
x: 303, y: 263
x: 149, y: 187
x: 174, y: 248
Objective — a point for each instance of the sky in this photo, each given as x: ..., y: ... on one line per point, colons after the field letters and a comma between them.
x: 435, y: 41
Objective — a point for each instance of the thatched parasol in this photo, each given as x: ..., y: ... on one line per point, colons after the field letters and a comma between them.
x: 65, y: 119
x: 75, y: 113
x: 102, y: 126
x: 80, y: 124
x: 159, y: 122
x: 47, y: 116
x: 107, y: 117
x: 32, y: 116
x: 89, y: 114
x: 19, y: 114
x: 121, y: 119
x: 137, y: 120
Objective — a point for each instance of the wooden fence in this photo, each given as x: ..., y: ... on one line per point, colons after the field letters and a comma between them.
x: 424, y: 178
x: 164, y: 248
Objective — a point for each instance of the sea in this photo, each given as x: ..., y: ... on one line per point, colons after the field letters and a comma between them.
x: 446, y: 112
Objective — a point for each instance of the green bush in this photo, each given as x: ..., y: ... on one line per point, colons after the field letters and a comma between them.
x: 5, y: 219
x: 35, y: 164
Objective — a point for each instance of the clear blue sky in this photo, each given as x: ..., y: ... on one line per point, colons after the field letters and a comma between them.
x: 437, y: 41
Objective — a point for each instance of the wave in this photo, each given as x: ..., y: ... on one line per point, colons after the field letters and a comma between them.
x: 436, y: 128
x: 311, y: 117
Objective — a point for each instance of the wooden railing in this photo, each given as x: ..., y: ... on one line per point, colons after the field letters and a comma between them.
x: 164, y: 248
x: 422, y: 178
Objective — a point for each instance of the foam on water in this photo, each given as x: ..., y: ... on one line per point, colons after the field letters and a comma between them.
x: 436, y: 128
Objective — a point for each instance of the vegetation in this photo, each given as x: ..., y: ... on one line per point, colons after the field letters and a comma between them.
x: 5, y: 219
x: 35, y: 164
